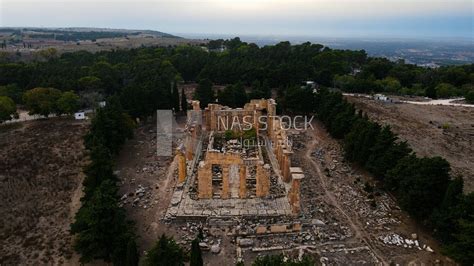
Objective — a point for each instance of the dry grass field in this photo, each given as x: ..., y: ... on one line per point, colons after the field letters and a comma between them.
x: 40, y: 188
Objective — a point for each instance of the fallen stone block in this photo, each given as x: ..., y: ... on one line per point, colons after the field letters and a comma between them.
x: 278, y: 229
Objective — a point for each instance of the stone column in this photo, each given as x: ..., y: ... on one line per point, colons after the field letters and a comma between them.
x: 286, y: 165
x: 271, y: 112
x: 263, y: 180
x: 280, y: 153
x: 189, y: 144
x: 294, y: 193
x: 196, y: 106
x: 181, y: 167
x: 243, y: 182
x: 225, y: 182
x: 204, y: 181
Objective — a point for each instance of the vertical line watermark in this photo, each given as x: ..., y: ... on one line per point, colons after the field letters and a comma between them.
x: 164, y: 133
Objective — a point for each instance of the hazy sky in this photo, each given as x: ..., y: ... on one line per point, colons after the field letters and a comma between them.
x: 331, y: 18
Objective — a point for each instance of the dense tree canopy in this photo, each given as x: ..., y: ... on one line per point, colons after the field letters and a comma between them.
x: 233, y: 96
x: 68, y: 103
x: 204, y: 93
x: 42, y: 101
x: 152, y: 70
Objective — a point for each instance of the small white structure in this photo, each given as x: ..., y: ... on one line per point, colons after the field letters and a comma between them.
x: 382, y: 98
x: 80, y: 115
x: 311, y: 85
x: 102, y: 104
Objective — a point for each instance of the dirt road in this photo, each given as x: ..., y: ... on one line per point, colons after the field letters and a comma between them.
x: 354, y: 223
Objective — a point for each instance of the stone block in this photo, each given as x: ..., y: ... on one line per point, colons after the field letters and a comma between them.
x: 296, y: 227
x: 278, y: 228
x: 261, y: 230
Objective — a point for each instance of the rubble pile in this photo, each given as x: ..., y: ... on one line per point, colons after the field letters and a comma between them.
x: 398, y: 240
x: 211, y: 240
x: 141, y: 197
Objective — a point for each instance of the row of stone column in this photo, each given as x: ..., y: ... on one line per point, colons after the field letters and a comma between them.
x: 205, y: 180
x: 293, y: 175
x: 283, y: 154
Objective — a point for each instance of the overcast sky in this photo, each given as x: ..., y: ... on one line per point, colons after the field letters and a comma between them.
x: 330, y: 18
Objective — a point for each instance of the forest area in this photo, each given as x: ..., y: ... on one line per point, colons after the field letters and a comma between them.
x: 143, y: 76
x: 137, y: 82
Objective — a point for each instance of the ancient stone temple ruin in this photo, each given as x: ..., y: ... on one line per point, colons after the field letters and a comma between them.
x: 236, y: 162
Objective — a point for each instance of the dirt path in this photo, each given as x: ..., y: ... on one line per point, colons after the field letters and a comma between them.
x: 354, y: 223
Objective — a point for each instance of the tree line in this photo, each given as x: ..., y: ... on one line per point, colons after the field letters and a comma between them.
x: 423, y: 186
x: 40, y: 101
x: 150, y: 71
x: 100, y: 225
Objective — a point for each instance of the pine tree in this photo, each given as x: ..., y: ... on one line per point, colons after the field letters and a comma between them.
x: 196, y: 254
x: 462, y: 249
x: 101, y: 226
x: 111, y: 125
x: 99, y: 169
x: 445, y: 218
x: 419, y: 184
x: 132, y: 253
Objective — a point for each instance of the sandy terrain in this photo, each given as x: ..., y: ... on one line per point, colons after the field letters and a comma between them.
x: 431, y: 130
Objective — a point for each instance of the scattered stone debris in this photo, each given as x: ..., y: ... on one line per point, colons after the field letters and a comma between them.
x: 398, y: 240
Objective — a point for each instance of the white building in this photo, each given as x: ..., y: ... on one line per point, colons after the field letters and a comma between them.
x: 382, y: 98
x: 80, y: 115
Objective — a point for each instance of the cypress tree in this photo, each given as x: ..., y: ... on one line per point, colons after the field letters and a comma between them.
x: 196, y: 254
x: 175, y: 95
x: 165, y: 252
x: 132, y: 253
x: 204, y: 93
x: 184, y: 101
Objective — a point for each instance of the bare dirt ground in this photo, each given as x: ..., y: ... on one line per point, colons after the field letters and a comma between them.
x: 146, y: 185
x: 40, y: 188
x: 431, y: 130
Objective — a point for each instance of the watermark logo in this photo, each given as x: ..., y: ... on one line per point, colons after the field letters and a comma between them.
x: 164, y: 132
x: 167, y: 126
x: 247, y: 122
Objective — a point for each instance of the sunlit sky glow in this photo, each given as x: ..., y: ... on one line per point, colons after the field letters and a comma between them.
x: 331, y: 18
